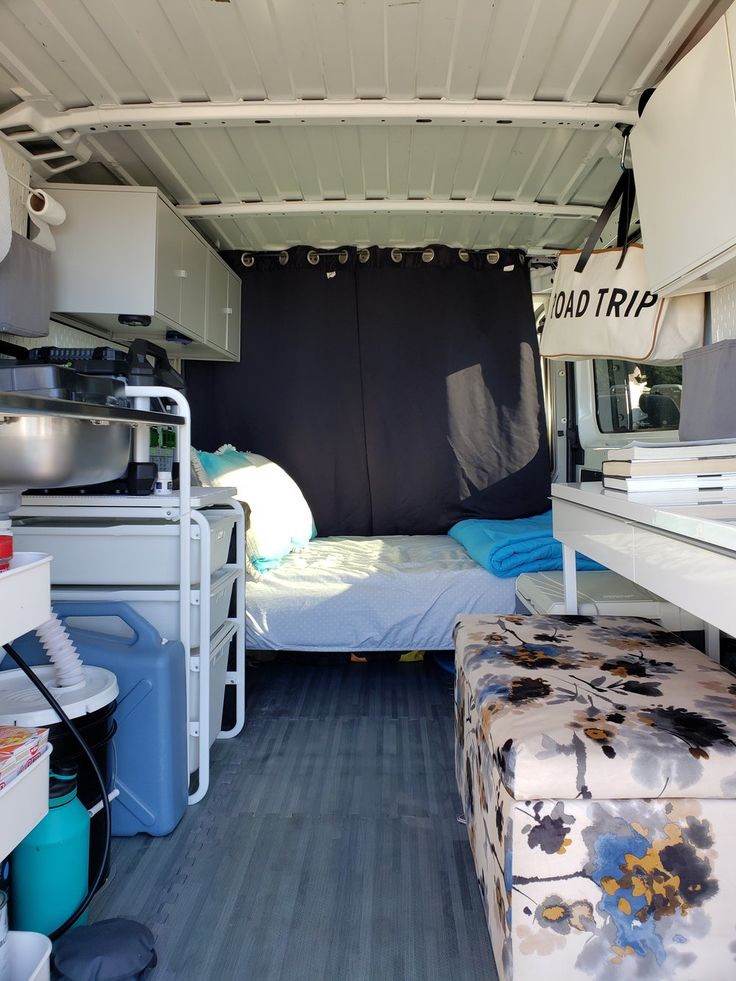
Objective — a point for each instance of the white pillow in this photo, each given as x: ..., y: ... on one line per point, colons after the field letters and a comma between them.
x: 280, y: 518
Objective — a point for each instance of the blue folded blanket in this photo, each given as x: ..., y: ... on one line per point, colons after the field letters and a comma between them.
x: 508, y: 548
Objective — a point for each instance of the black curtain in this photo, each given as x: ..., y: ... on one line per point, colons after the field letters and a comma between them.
x: 295, y: 397
x: 401, y: 396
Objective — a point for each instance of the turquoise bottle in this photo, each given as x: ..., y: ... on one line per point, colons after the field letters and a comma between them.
x: 50, y: 866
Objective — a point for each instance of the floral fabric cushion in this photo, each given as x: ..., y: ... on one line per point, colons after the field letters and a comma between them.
x: 620, y: 888
x: 609, y: 707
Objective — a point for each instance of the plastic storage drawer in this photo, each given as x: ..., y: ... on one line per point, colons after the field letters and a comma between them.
x: 218, y: 678
x: 600, y: 593
x: 159, y: 607
x: 110, y: 552
x: 29, y: 957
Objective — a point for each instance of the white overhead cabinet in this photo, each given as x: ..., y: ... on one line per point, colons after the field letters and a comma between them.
x: 684, y: 154
x: 222, y: 319
x: 123, y: 253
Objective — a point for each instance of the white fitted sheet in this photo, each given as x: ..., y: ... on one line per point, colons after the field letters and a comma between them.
x: 397, y: 593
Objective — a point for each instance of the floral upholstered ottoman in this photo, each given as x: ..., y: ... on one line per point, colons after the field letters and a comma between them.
x: 596, y: 762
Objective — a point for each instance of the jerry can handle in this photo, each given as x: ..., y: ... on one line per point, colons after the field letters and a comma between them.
x: 144, y: 631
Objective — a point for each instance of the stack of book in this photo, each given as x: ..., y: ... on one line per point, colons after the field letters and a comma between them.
x: 19, y: 747
x: 679, y: 473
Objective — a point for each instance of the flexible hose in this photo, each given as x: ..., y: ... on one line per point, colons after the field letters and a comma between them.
x: 35, y: 680
x: 61, y: 652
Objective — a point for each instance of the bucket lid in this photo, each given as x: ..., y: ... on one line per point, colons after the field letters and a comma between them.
x: 23, y: 705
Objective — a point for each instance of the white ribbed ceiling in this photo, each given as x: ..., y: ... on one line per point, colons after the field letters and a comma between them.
x: 134, y: 70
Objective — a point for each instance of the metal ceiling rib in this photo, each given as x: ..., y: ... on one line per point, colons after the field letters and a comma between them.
x: 100, y: 52
x: 175, y: 92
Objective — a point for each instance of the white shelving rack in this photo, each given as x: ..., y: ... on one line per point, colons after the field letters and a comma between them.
x: 184, y: 508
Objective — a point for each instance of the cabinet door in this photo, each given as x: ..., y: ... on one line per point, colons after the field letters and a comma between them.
x: 684, y: 152
x: 194, y: 283
x: 234, y: 287
x: 169, y: 240
x: 216, y: 324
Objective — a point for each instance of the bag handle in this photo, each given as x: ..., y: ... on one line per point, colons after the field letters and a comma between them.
x: 625, y: 192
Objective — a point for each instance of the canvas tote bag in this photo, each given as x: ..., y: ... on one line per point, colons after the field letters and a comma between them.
x: 601, y: 306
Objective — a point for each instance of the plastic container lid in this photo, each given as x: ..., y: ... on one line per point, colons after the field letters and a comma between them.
x: 23, y: 705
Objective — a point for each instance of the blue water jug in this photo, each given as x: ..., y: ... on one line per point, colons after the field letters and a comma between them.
x: 151, y: 769
x: 50, y: 866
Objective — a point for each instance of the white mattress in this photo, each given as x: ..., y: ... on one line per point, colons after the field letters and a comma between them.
x: 370, y: 594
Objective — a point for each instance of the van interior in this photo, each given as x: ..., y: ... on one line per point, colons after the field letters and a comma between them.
x: 367, y: 490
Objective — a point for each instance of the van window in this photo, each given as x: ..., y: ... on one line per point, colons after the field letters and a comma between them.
x: 632, y: 397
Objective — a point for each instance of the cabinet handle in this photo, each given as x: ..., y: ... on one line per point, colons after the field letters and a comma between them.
x: 180, y: 273
x: 227, y: 310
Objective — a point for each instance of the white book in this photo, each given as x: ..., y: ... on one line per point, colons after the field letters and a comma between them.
x: 698, y: 450
x: 675, y: 498
x: 669, y: 468
x: 663, y: 482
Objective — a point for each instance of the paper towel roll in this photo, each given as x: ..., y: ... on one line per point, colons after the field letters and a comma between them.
x: 5, y: 228
x: 43, y: 211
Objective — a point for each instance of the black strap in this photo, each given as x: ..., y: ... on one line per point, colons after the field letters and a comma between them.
x: 625, y: 192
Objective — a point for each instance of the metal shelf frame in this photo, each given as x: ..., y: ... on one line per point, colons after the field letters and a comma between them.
x: 185, y: 509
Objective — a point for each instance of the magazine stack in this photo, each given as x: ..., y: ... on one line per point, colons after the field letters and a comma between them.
x: 19, y: 747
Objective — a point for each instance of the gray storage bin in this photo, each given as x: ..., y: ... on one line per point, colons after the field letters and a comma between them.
x: 708, y: 409
x: 25, y: 289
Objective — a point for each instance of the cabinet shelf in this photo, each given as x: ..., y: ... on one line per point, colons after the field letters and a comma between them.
x: 23, y: 803
x: 25, y: 590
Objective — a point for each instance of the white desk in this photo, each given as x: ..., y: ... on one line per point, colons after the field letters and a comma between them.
x: 685, y: 554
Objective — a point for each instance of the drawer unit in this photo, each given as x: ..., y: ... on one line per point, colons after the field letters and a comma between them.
x: 110, y: 552
x: 159, y: 606
x: 219, y: 650
x: 602, y: 594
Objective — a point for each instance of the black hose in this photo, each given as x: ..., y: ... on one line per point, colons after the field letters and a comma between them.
x: 35, y: 680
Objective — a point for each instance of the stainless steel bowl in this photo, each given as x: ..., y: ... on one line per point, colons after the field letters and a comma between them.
x: 52, y: 451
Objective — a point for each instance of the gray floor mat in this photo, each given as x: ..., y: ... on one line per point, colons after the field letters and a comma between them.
x: 328, y: 846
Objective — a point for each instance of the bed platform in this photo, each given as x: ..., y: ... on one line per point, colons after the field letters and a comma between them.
x: 397, y: 593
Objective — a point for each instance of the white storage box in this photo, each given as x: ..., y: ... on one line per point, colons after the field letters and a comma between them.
x: 219, y: 651
x: 110, y: 552
x: 28, y: 956
x: 24, y: 595
x: 23, y: 803
x: 159, y: 606
x: 601, y: 593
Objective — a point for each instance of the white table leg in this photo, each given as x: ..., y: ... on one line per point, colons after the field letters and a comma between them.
x: 712, y: 642
x: 570, y: 579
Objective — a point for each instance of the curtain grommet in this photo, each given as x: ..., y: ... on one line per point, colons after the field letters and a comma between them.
x: 364, y: 255
x: 283, y: 258
x: 396, y: 255
x: 492, y: 258
x: 342, y: 256
x: 427, y: 255
x: 247, y: 260
x: 313, y: 257
x: 463, y: 255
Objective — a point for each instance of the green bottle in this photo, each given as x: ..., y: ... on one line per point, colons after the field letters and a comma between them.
x: 49, y: 868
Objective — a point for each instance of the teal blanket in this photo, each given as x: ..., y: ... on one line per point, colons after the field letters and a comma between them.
x: 508, y: 548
